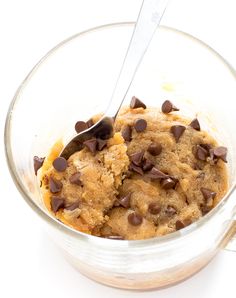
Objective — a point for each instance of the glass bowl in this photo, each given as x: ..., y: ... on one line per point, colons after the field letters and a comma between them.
x: 73, y: 82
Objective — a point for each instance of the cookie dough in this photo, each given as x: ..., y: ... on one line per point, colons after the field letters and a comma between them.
x: 158, y: 173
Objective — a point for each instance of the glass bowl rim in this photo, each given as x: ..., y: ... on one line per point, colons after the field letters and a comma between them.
x: 166, y: 239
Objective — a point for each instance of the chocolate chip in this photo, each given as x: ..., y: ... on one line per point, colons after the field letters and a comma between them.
x: 177, y: 131
x: 201, y: 153
x: 60, y: 164
x: 179, y: 225
x: 154, y: 149
x: 174, y: 179
x: 80, y: 126
x: 101, y: 144
x: 57, y: 203
x: 75, y: 179
x: 55, y: 185
x: 207, y: 193
x: 140, y: 125
x: 38, y: 162
x: 154, y: 208
x: 195, y: 124
x: 207, y: 147
x: 168, y: 183
x: 91, y: 145
x: 115, y: 237
x: 137, y: 158
x: 90, y: 123
x: 170, y: 211
x: 135, y: 219
x: 134, y: 168
x: 72, y: 206
x: 125, y: 200
x: 156, y: 174
x: 127, y: 133
x: 205, y: 209
x: 136, y: 103
x: 147, y: 165
x: 220, y: 152
x: 212, y: 158
x: 168, y: 107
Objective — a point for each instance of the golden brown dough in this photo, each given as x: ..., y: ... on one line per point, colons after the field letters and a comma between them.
x: 94, y: 206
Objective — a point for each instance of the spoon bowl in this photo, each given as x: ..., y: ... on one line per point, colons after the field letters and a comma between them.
x: 103, y: 129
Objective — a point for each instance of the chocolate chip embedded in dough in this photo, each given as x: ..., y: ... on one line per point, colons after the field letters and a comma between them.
x: 205, y: 209
x: 134, y: 168
x: 220, y: 152
x: 137, y: 158
x: 156, y: 174
x: 135, y: 219
x: 168, y: 183
x: 136, y: 103
x: 101, y: 144
x: 154, y: 149
x: 75, y: 179
x: 195, y: 124
x: 208, y: 147
x: 140, y: 125
x: 177, y: 131
x: 125, y: 200
x: 147, y: 165
x: 127, y: 133
x: 176, y: 180
x: 80, y: 126
x: 73, y: 206
x: 179, y: 225
x: 38, y: 162
x: 91, y: 145
x: 57, y: 203
x: 201, y: 153
x: 55, y: 185
x: 213, y: 159
x: 207, y: 193
x: 170, y: 211
x: 60, y: 164
x: 154, y: 208
x: 168, y: 107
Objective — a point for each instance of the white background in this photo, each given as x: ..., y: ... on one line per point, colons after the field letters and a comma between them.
x: 30, y: 264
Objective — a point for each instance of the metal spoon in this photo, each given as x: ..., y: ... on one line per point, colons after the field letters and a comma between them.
x: 148, y: 20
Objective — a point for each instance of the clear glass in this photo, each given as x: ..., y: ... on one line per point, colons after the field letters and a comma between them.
x: 75, y: 81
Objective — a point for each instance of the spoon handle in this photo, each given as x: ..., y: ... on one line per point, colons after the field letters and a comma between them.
x: 148, y: 20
